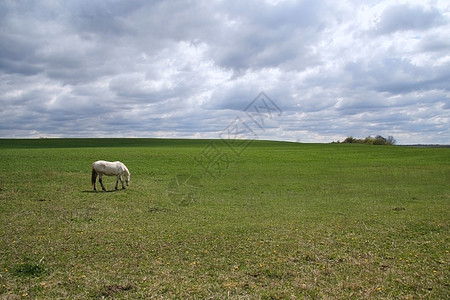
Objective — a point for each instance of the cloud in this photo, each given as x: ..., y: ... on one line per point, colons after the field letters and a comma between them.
x: 259, y: 35
x: 404, y: 17
x: 168, y: 68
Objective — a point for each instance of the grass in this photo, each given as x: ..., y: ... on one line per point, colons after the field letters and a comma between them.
x: 280, y: 221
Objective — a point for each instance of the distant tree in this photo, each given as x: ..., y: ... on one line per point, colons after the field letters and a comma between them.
x: 391, y: 140
x: 368, y: 140
x: 349, y: 140
x: 377, y: 140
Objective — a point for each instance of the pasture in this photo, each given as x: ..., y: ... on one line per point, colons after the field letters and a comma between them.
x: 278, y: 221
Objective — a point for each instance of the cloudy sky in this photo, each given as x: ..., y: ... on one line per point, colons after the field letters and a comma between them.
x: 191, y: 68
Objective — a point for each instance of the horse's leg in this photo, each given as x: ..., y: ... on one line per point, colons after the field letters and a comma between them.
x: 121, y: 180
x: 117, y: 182
x: 100, y: 179
x: 94, y: 181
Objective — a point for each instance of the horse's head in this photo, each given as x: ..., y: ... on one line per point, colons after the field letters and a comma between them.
x: 127, y: 176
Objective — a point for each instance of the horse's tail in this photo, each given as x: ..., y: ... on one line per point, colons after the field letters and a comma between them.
x: 94, y: 175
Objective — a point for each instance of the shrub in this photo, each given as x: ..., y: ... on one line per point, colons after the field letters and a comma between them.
x: 377, y: 140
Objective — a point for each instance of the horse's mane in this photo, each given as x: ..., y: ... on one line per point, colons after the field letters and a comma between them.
x: 125, y: 169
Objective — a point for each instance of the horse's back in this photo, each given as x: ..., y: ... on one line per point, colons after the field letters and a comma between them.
x: 99, y: 164
x: 106, y: 167
x: 106, y: 163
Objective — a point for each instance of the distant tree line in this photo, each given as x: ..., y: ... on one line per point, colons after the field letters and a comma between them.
x: 377, y: 140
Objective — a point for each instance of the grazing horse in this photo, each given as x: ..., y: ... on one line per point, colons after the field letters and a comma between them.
x: 101, y: 167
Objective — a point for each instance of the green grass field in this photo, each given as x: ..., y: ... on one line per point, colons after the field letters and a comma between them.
x: 278, y: 221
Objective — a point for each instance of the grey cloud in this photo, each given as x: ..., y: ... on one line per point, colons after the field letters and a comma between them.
x: 168, y: 68
x: 105, y: 18
x: 136, y: 87
x: 406, y: 78
x: 408, y: 17
x: 396, y: 75
x: 15, y: 53
x: 434, y: 43
x: 263, y: 35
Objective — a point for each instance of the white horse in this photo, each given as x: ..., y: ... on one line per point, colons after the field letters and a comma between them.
x: 101, y: 167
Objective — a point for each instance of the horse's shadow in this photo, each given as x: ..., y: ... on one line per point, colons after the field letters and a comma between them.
x: 99, y: 192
